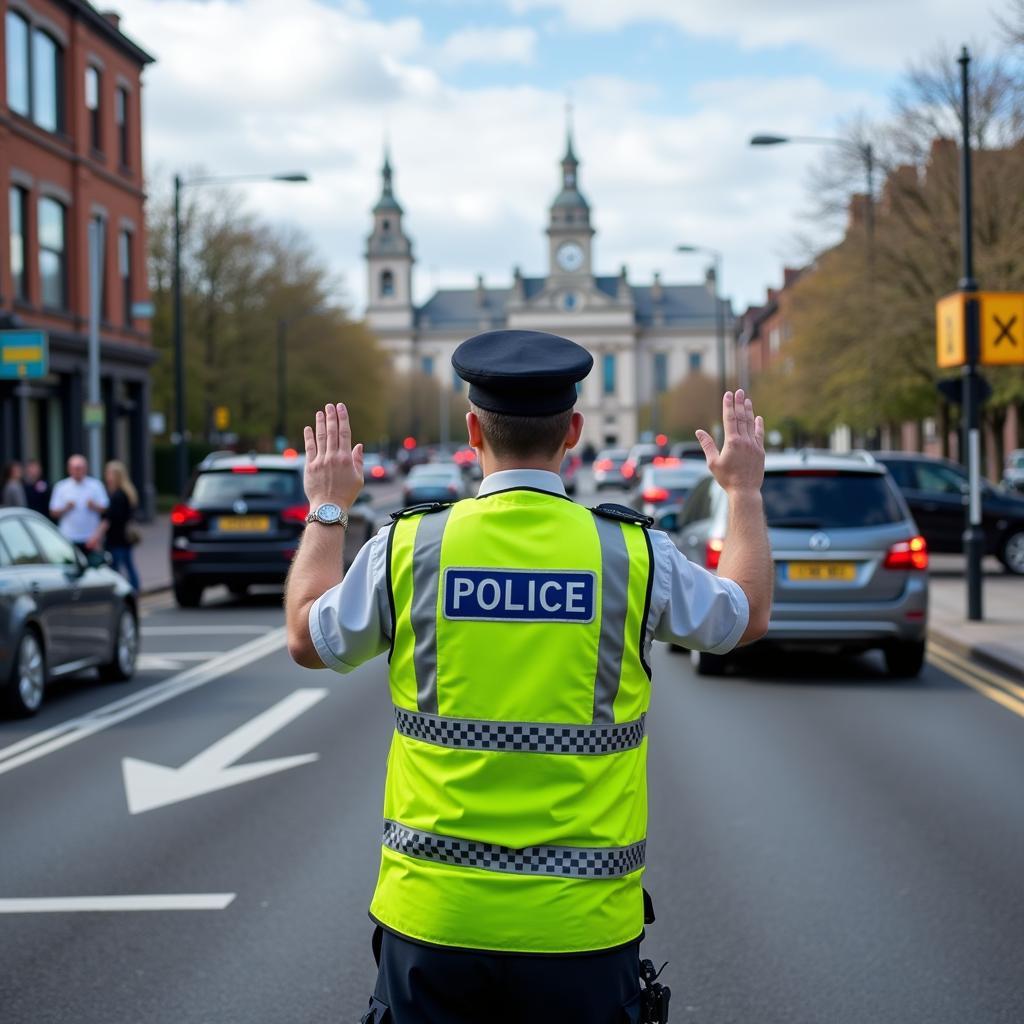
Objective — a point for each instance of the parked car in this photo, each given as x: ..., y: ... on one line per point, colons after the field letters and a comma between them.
x: 690, y: 450
x: 608, y: 468
x: 937, y: 492
x: 571, y: 465
x: 1013, y: 472
x: 850, y: 563
x: 640, y: 455
x: 240, y: 524
x: 669, y: 483
x: 378, y: 468
x: 60, y: 612
x: 467, y: 459
x: 434, y: 481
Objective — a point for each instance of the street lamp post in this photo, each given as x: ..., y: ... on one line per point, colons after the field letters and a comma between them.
x: 177, y: 333
x: 719, y: 310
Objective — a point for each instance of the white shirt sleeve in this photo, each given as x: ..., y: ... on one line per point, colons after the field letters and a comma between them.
x: 57, y: 496
x: 99, y: 493
x: 691, y: 606
x: 351, y: 623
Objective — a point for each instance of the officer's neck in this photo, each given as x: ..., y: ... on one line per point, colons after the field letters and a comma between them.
x: 490, y: 463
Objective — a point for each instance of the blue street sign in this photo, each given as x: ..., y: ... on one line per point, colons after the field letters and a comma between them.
x: 24, y: 354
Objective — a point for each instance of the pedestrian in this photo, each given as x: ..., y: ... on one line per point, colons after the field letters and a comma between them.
x: 519, y: 627
x: 13, y: 492
x: 37, y: 490
x: 115, y: 530
x: 77, y: 503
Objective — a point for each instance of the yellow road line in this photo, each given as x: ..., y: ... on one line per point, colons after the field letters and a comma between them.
x: 967, y: 677
x: 986, y: 674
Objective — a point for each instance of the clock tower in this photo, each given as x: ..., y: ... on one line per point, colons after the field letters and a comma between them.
x: 569, y: 232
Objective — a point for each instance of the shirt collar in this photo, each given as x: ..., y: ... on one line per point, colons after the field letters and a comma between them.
x: 534, y: 479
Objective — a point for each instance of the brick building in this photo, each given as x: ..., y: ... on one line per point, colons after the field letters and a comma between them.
x: 762, y: 331
x: 71, y: 152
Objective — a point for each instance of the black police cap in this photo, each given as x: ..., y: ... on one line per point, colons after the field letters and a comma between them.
x: 522, y: 373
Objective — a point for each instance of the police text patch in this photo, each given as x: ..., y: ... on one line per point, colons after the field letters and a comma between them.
x: 519, y: 595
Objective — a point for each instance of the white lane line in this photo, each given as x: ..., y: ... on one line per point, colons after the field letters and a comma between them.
x: 79, y: 904
x: 59, y: 736
x: 160, y: 660
x: 196, y: 630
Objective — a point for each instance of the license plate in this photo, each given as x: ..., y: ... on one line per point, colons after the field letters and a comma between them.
x: 244, y: 524
x: 821, y: 572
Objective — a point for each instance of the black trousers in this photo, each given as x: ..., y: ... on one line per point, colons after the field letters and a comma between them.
x: 418, y: 984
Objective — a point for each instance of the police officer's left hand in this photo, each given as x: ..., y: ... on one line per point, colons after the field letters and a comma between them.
x: 334, y: 469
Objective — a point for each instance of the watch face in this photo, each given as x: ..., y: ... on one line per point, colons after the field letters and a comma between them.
x: 570, y: 256
x: 328, y: 513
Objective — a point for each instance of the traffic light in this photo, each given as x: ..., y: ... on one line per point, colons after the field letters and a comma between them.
x: 409, y: 443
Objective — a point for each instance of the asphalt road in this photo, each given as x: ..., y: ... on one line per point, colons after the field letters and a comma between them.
x: 825, y: 845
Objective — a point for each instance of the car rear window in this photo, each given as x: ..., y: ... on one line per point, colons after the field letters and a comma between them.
x: 819, y: 499
x: 226, y: 485
x: 675, y: 478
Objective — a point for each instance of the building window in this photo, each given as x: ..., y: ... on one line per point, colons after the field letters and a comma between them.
x: 385, y: 224
x: 52, y: 255
x: 608, y: 365
x: 46, y: 82
x: 661, y: 372
x: 427, y: 365
x: 19, y: 242
x: 16, y: 28
x: 92, y: 104
x: 696, y: 361
x: 387, y: 284
x: 100, y: 227
x: 124, y: 265
x: 121, y: 120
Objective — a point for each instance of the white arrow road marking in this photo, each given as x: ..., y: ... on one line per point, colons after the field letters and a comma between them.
x: 149, y: 785
x: 78, y: 904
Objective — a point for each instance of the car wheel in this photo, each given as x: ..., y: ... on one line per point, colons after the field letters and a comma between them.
x: 1012, y: 553
x: 27, y: 683
x: 904, y: 659
x: 126, y: 649
x: 706, y: 664
x: 188, y: 595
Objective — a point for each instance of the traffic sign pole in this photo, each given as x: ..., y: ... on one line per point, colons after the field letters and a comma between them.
x: 94, y: 423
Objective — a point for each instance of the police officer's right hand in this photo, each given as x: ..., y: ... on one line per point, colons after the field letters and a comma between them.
x: 334, y: 469
x: 739, y: 466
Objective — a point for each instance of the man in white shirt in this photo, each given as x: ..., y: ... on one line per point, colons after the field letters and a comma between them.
x: 77, y: 503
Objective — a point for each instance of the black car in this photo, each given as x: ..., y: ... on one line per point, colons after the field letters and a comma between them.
x: 60, y: 612
x: 241, y: 523
x: 937, y: 492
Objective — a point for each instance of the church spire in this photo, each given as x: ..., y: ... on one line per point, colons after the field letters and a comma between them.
x: 387, y: 199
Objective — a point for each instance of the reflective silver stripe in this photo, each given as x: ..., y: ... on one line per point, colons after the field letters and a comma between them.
x: 561, y: 861
x: 614, y: 606
x: 426, y: 574
x: 527, y: 737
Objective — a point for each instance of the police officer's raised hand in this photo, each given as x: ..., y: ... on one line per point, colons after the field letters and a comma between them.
x: 739, y: 466
x: 334, y: 469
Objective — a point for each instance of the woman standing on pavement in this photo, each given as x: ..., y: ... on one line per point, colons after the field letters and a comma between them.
x: 13, y: 489
x: 115, y: 529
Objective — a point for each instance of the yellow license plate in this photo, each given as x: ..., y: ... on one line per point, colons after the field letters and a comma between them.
x: 821, y: 572
x: 244, y: 524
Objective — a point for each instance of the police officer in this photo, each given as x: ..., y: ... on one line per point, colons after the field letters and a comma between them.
x: 518, y: 628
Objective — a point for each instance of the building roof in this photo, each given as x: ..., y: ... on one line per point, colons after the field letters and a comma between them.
x: 102, y: 24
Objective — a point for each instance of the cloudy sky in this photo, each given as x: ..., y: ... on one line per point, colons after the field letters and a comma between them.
x: 472, y: 95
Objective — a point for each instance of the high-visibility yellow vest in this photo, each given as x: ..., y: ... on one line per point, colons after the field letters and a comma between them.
x: 515, y: 809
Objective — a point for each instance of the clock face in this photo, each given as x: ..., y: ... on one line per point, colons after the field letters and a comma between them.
x: 570, y: 256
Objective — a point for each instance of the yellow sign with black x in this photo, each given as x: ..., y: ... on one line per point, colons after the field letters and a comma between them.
x: 1001, y: 316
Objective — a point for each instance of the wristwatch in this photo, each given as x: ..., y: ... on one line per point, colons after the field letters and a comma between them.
x: 329, y: 514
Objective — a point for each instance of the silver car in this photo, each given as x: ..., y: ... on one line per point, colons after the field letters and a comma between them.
x: 1013, y: 473
x: 60, y: 612
x: 850, y: 563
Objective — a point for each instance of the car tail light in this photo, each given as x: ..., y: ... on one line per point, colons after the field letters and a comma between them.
x: 452, y: 489
x: 295, y: 514
x: 629, y: 469
x: 182, y: 556
x: 244, y: 469
x: 604, y: 464
x: 377, y: 472
x: 665, y: 460
x: 713, y: 552
x: 185, y: 515
x: 654, y: 494
x: 908, y: 554
x: 289, y: 553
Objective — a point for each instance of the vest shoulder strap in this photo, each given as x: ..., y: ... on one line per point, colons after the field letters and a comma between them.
x: 622, y: 514
x: 424, y: 508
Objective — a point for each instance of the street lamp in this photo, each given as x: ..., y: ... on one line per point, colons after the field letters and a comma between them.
x: 181, y: 462
x: 719, y: 311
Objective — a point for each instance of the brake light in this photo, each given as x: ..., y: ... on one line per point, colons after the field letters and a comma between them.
x: 655, y: 494
x: 183, y: 556
x: 908, y: 554
x: 377, y: 472
x: 713, y: 552
x: 185, y: 515
x: 604, y: 464
x: 628, y: 468
x: 665, y: 460
x: 295, y: 514
x: 244, y: 469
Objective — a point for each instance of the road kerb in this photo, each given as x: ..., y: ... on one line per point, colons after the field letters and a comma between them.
x: 980, y: 653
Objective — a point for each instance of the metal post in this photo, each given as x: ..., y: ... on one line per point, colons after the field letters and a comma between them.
x: 181, y: 448
x: 973, y: 537
x: 94, y: 427
x: 719, y: 323
x: 282, y: 379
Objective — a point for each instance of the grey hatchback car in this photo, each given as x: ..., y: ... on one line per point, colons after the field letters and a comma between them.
x: 59, y: 612
x: 850, y: 563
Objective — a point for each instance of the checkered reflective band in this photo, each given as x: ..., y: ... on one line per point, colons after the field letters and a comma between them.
x: 529, y: 737
x: 561, y: 861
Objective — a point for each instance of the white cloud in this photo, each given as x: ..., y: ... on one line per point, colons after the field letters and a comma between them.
x: 261, y: 86
x: 488, y: 46
x: 860, y: 33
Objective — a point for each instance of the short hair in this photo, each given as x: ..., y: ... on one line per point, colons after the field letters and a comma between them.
x: 523, y: 437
